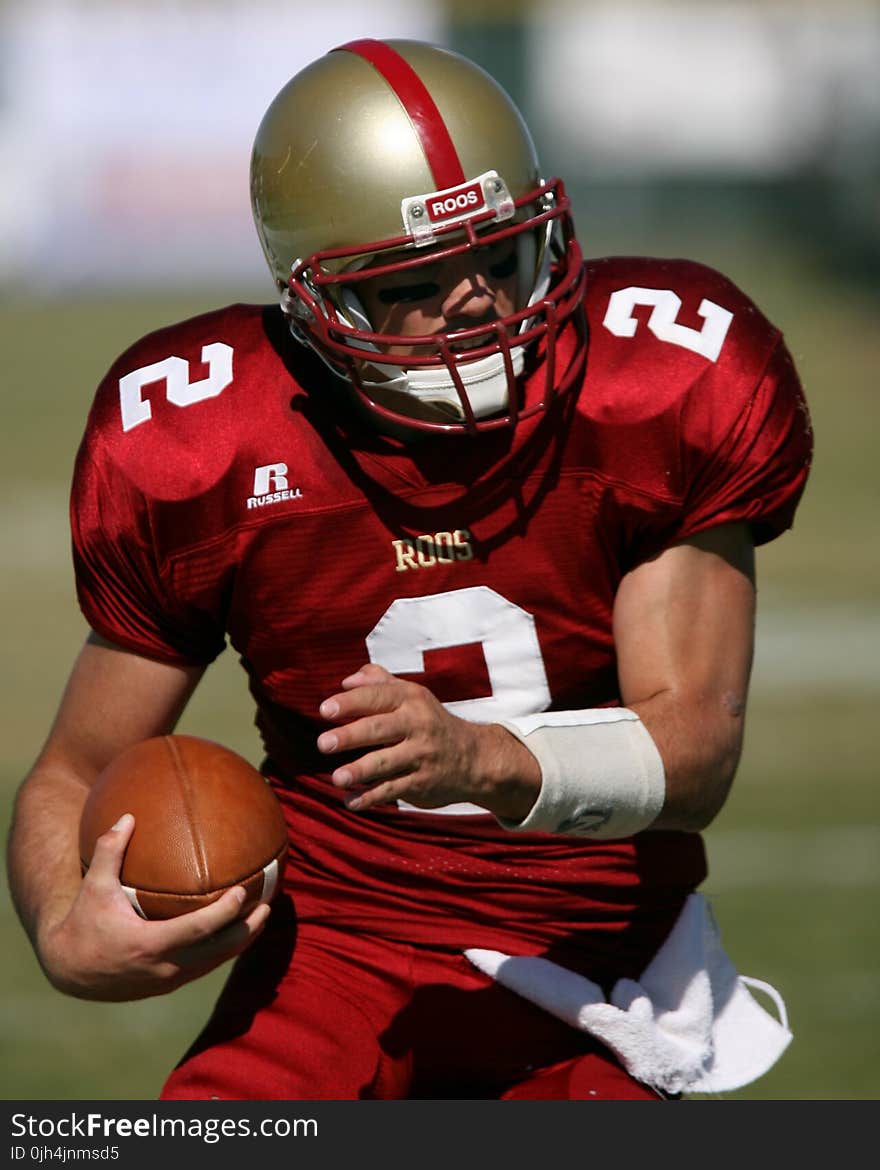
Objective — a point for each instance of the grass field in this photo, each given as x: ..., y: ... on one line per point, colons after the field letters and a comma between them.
x: 795, y: 855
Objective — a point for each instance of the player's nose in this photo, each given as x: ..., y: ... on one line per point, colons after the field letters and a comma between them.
x: 468, y: 297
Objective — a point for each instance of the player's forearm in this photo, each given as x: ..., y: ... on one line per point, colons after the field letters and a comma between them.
x: 699, y: 738
x: 665, y: 762
x: 43, y: 851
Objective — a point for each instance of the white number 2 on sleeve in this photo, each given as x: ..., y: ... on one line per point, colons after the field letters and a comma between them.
x: 707, y: 341
x: 174, y: 372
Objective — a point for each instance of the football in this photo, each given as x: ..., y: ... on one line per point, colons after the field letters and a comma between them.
x: 205, y: 820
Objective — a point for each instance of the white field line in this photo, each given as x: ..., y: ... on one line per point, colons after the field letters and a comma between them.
x: 819, y: 647
x: 845, y: 856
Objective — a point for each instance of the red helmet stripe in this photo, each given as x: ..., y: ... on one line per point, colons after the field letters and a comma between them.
x: 427, y: 121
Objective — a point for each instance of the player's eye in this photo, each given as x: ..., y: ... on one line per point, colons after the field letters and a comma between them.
x: 504, y: 267
x: 408, y: 293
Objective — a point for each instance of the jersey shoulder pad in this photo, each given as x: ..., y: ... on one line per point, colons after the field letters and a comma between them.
x: 661, y: 329
x: 694, y: 398
x: 187, y: 362
x: 689, y: 305
x: 175, y: 396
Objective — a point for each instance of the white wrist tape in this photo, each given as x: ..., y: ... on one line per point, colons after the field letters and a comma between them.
x: 601, y: 773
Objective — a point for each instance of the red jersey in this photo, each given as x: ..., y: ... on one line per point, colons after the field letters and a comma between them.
x: 225, y: 490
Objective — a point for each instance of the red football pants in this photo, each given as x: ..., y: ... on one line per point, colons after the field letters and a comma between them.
x: 312, y: 1013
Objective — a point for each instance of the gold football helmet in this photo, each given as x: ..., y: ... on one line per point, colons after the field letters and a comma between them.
x: 382, y: 157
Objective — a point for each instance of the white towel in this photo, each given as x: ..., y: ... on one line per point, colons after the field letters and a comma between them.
x: 689, y: 1024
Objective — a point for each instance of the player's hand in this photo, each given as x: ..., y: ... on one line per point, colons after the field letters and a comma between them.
x: 417, y: 751
x: 102, y: 949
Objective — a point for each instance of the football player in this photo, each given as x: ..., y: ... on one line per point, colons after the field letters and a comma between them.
x: 479, y: 518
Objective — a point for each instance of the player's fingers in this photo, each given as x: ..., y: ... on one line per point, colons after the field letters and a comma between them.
x: 223, y: 944
x: 384, y: 793
x: 370, y: 672
x: 197, y: 925
x: 370, y: 731
x: 106, y: 864
x: 369, y: 699
x: 388, y: 763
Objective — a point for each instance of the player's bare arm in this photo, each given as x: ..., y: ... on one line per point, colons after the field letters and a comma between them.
x: 684, y: 633
x: 89, y: 940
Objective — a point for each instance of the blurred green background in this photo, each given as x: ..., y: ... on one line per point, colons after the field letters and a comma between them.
x: 795, y: 854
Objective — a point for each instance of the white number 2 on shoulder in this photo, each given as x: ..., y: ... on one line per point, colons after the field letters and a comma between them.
x: 179, y: 390
x: 706, y: 341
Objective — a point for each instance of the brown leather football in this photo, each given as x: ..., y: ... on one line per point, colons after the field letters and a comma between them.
x: 205, y: 820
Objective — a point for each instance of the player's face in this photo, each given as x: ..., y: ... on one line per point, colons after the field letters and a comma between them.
x: 460, y: 292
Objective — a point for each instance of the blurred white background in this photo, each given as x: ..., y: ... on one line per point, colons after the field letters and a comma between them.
x: 126, y: 125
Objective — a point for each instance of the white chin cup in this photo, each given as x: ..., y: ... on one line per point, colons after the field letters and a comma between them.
x: 484, y: 380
